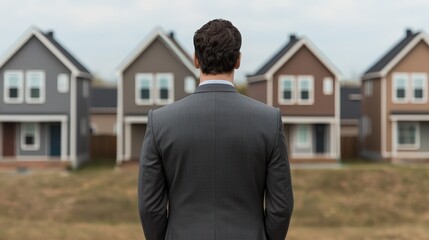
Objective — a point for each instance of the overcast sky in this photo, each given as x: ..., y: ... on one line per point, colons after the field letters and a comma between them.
x: 353, y: 34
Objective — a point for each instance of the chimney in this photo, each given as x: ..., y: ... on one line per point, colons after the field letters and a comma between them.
x: 292, y: 37
x: 50, y: 34
x: 171, y: 34
x: 408, y: 32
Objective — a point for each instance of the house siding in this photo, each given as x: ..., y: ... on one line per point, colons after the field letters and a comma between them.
x: 258, y: 91
x: 415, y: 61
x: 104, y: 123
x: 371, y: 107
x: 304, y: 62
x: 157, y: 58
x: 35, y: 56
x: 82, y: 141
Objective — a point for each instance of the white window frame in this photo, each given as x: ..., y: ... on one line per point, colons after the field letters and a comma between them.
x: 170, y: 80
x: 414, y: 146
x: 28, y: 98
x: 368, y: 88
x: 63, y: 82
x: 85, y: 88
x: 424, y: 78
x: 36, y: 145
x: 138, y: 77
x: 309, y: 136
x: 310, y: 100
x: 395, y: 77
x: 6, y: 85
x: 285, y: 78
x: 328, y: 86
x: 188, y: 88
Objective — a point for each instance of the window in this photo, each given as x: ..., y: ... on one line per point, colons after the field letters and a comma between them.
x: 286, y: 89
x: 368, y: 88
x: 303, y: 136
x: 408, y: 135
x: 400, y: 83
x: 35, y: 87
x: 305, y: 89
x: 85, y: 88
x: 144, y: 84
x: 63, y: 83
x: 83, y: 127
x: 366, y: 126
x: 419, y: 85
x: 30, y: 136
x: 328, y: 86
x: 190, y: 83
x: 13, y: 85
x: 164, y: 86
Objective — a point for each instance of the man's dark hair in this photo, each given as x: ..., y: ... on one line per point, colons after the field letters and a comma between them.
x: 217, y: 46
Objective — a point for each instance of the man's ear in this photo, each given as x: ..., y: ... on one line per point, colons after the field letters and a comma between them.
x: 237, y: 64
x: 196, y: 63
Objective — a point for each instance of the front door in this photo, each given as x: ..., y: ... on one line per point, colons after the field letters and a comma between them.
x: 55, y: 140
x: 9, y: 139
x: 320, y: 138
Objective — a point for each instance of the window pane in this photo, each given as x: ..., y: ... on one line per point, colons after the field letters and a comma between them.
x: 13, y: 92
x: 418, y: 93
x: 286, y: 88
x: 400, y: 93
x: 287, y: 95
x: 189, y: 84
x: 35, y: 93
x: 163, y: 93
x: 163, y: 83
x: 407, y: 134
x: 305, y: 95
x: 29, y: 139
x: 144, y: 93
x: 13, y: 80
x: 302, y: 134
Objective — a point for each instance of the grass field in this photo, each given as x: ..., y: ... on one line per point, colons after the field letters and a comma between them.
x: 357, y: 201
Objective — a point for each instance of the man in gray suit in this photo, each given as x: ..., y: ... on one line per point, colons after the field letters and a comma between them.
x: 210, y: 160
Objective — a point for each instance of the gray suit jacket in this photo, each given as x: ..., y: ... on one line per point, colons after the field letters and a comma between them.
x: 213, y: 158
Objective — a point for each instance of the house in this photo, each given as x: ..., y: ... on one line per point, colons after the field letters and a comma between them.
x: 103, y: 122
x: 158, y: 72
x: 350, y: 115
x: 103, y: 110
x: 304, y: 85
x: 395, y: 107
x: 44, y: 102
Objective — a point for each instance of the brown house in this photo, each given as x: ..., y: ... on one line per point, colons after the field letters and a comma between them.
x: 395, y: 107
x: 304, y: 85
x: 158, y: 72
x: 350, y: 116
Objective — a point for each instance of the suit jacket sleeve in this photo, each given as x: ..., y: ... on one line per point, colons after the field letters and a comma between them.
x: 152, y: 192
x: 278, y: 195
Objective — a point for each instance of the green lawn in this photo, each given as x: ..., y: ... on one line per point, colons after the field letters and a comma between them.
x: 358, y: 201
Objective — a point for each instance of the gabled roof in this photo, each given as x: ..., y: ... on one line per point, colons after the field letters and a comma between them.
x: 103, y: 98
x: 53, y: 45
x: 395, y: 54
x: 168, y: 40
x: 285, y: 53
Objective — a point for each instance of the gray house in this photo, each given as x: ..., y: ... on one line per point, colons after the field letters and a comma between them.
x: 44, y: 97
x: 158, y: 72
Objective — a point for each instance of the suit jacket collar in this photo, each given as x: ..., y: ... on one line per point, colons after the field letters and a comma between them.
x: 215, y: 88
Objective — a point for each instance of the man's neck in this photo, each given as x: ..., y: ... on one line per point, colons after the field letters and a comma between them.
x: 224, y: 76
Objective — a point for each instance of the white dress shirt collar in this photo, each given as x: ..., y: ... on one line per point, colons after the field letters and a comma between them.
x: 216, y: 82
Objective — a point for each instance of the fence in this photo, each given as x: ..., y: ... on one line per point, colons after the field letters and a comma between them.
x: 349, y: 147
x: 103, y: 146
